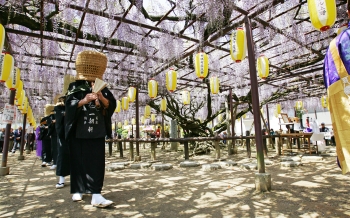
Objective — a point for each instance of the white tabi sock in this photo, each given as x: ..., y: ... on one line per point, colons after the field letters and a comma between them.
x: 61, y: 179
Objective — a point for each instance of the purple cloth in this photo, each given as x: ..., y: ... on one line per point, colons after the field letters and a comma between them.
x: 342, y: 42
x: 39, y: 145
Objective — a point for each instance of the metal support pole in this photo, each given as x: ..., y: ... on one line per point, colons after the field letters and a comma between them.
x: 4, y: 170
x: 186, y: 150
x: 255, y: 96
x: 21, y: 157
x: 137, y: 125
x: 247, y: 142
x: 268, y: 118
x: 233, y: 148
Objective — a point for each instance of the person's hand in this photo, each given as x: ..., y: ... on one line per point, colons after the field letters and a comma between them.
x: 89, y: 97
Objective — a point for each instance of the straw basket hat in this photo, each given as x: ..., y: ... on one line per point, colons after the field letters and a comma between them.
x: 90, y: 65
x: 48, y: 109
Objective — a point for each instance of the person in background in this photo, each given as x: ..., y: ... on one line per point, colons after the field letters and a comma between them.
x: 324, y: 129
x: 63, y: 162
x: 2, y: 136
x: 46, y: 140
x: 38, y: 143
x: 11, y: 140
x: 30, y: 138
x: 224, y: 135
x: 17, y: 138
x: 53, y: 137
x: 158, y: 133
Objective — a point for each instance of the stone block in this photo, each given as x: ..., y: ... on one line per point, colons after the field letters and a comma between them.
x: 290, y: 164
x: 290, y: 159
x: 209, y: 167
x: 158, y: 167
x: 312, y: 158
x: 140, y: 165
x: 115, y: 166
x: 226, y: 163
x: 189, y: 164
x: 249, y: 166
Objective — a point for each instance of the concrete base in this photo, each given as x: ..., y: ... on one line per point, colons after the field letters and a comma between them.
x: 4, y: 171
x: 226, y: 163
x: 290, y: 164
x: 210, y: 167
x: 312, y: 158
x: 262, y: 182
x: 189, y: 164
x: 27, y: 151
x: 250, y: 166
x: 115, y: 166
x: 158, y: 167
x: 140, y: 165
x: 20, y: 157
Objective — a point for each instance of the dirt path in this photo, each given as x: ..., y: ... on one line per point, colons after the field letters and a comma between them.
x: 315, y: 189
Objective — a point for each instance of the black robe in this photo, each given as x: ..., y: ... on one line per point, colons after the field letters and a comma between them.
x: 46, y: 141
x: 53, y: 136
x: 63, y: 163
x: 87, y: 155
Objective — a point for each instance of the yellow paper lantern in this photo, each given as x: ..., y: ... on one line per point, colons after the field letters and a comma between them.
x: 126, y: 122
x: 152, y: 88
x: 132, y: 94
x: 142, y: 119
x: 2, y: 37
x: 19, y: 89
x: 186, y: 99
x: 125, y: 103
x: 201, y: 65
x: 119, y: 124
x: 147, y: 111
x: 13, y: 81
x: 323, y: 13
x: 299, y: 105
x: 6, y: 66
x: 238, y: 45
x: 342, y: 28
x: 263, y: 66
x: 24, y: 106
x: 118, y: 108
x: 278, y: 108
x: 163, y: 104
x: 133, y: 121
x: 214, y: 85
x: 153, y: 117
x: 324, y: 101
x: 21, y: 98
x: 171, y: 80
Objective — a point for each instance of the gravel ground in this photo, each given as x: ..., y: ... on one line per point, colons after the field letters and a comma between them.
x: 316, y: 188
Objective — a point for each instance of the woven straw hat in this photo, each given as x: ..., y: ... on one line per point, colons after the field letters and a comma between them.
x: 90, y: 65
x: 48, y: 109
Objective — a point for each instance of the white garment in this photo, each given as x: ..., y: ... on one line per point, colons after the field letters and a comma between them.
x: 314, y: 126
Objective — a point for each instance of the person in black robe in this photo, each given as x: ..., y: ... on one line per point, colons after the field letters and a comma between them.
x: 87, y: 123
x: 53, y: 137
x: 46, y: 155
x: 63, y: 161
